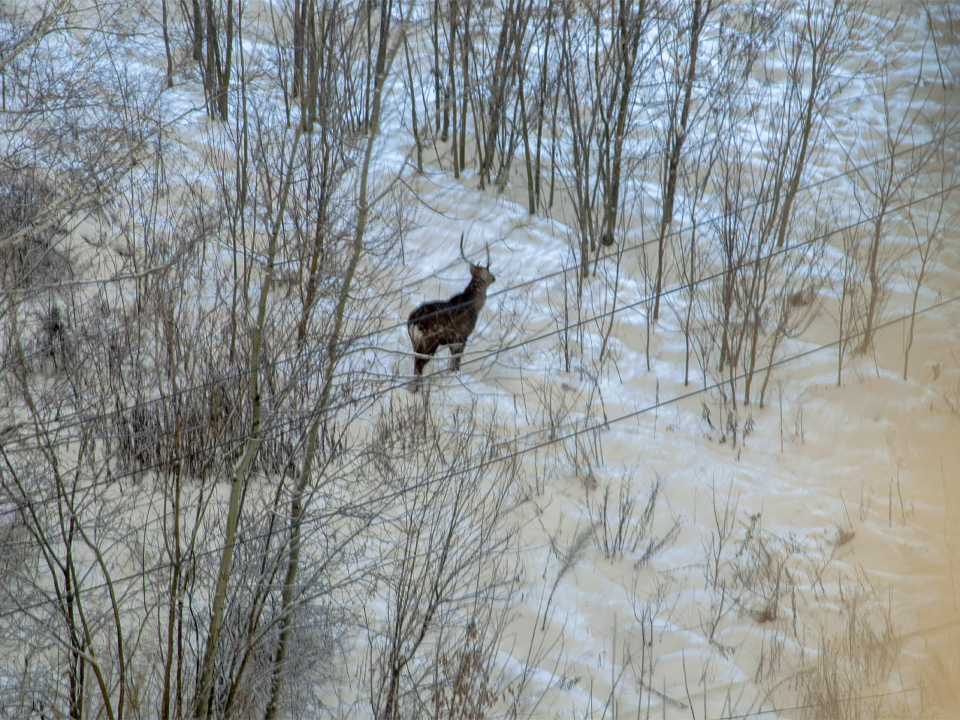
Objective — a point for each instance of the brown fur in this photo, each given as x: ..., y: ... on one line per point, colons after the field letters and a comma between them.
x: 448, y: 322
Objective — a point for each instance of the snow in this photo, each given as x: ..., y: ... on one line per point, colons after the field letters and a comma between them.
x: 876, y: 458
x: 874, y: 462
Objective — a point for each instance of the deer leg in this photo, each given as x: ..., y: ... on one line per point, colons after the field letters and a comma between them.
x: 456, y: 353
x: 419, y: 363
x: 423, y: 349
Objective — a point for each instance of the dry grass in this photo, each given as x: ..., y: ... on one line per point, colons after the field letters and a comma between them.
x: 854, y: 661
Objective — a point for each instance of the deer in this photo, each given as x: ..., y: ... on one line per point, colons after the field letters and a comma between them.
x: 449, y: 322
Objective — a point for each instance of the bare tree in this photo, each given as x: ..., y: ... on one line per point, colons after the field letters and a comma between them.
x: 679, y: 81
x: 744, y: 32
x: 885, y: 189
x: 928, y: 223
x: 603, y: 60
x: 335, y: 348
x: 71, y: 133
x: 448, y: 567
x: 768, y: 286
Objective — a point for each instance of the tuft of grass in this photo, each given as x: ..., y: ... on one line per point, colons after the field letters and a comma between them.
x: 853, y: 663
x: 939, y: 678
x: 622, y: 530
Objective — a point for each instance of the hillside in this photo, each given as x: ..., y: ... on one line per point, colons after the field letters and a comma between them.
x: 700, y: 459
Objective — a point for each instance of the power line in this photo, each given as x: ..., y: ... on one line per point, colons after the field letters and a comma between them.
x: 565, y: 328
x: 517, y: 454
x: 279, y: 530
x: 299, y: 420
x: 238, y: 374
x: 80, y: 419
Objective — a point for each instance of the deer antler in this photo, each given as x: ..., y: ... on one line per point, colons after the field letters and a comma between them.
x: 461, y: 250
x: 488, y: 255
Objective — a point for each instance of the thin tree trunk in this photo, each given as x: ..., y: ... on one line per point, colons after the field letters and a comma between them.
x: 629, y: 38
x: 197, y: 32
x: 384, y: 60
x: 926, y: 254
x: 166, y: 42
x: 240, y: 470
x: 448, y: 91
x: 798, y: 165
x: 450, y: 105
x: 528, y: 161
x: 841, y: 342
x: 223, y: 73
x: 465, y: 81
x: 413, y: 106
x: 299, y: 31
x: 673, y: 162
x: 541, y: 106
x: 437, y: 81
x: 874, y: 274
x: 175, y: 573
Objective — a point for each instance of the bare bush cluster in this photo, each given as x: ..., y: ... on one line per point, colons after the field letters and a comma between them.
x: 623, y: 531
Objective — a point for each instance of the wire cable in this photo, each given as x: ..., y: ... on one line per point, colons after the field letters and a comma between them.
x: 301, y: 419
x: 65, y: 419
x: 79, y: 419
x: 517, y: 454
